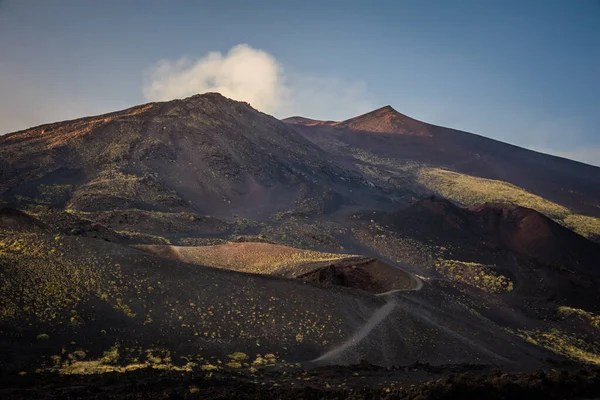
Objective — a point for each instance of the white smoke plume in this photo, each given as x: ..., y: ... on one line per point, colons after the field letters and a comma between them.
x: 255, y: 76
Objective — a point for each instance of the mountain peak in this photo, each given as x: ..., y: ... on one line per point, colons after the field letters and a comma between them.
x: 385, y: 120
x: 381, y: 120
x: 386, y: 109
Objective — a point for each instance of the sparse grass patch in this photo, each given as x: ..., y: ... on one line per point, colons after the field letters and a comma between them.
x: 584, y: 225
x: 124, y: 308
x: 591, y: 319
x: 115, y: 189
x: 78, y: 355
x: 209, y: 368
x: 266, y: 360
x: 238, y: 356
x: 45, y: 287
x: 234, y: 364
x: 564, y: 344
x: 255, y: 257
x: 111, y: 356
x: 471, y: 190
x: 481, y: 276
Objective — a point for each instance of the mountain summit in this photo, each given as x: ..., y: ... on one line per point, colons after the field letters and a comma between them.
x: 385, y: 142
x: 206, y: 153
x: 382, y: 120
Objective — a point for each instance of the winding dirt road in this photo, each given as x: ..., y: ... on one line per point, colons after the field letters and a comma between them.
x: 377, y: 318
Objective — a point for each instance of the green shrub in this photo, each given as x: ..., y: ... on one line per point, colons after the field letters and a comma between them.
x: 234, y: 364
x: 124, y: 308
x: 209, y: 368
x: 238, y: 356
x: 111, y: 356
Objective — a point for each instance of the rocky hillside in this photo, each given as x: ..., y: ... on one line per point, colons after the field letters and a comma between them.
x: 205, y: 153
x: 391, y: 148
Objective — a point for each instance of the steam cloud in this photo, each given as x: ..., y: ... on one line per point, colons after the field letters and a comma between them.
x: 255, y: 76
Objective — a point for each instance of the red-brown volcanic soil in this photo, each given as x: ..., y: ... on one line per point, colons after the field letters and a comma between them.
x: 546, y: 260
x: 370, y: 275
x: 498, y: 227
x: 363, y: 273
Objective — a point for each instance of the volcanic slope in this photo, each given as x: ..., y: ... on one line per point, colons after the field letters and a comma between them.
x: 391, y: 148
x: 100, y: 296
x: 493, y: 292
x: 265, y: 258
x: 364, y: 273
x: 508, y: 246
x: 205, y: 154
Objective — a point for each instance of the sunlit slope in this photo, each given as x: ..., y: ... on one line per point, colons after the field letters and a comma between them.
x: 204, y: 154
x: 95, y: 295
x: 470, y: 190
x: 263, y: 258
x: 326, y: 269
x: 385, y: 145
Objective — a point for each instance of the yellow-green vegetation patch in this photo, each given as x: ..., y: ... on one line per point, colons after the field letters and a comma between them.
x: 479, y: 275
x: 36, y: 279
x: 124, y: 308
x: 144, y: 237
x: 110, y: 361
x: 584, y: 225
x: 589, y: 318
x: 128, y: 190
x: 48, y: 279
x: 565, y: 344
x: 268, y: 359
x: 234, y: 364
x: 253, y: 257
x: 471, y: 190
x: 117, y: 359
x: 238, y: 356
x: 209, y: 367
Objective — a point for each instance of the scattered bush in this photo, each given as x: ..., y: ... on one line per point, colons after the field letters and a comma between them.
x: 238, y: 356
x: 209, y: 368
x: 110, y: 357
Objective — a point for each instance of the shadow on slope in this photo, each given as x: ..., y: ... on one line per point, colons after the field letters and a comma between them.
x: 544, y: 259
x: 87, y: 294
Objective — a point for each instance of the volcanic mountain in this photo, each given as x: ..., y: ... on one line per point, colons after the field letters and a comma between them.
x: 387, y: 143
x: 206, y: 153
x: 194, y: 234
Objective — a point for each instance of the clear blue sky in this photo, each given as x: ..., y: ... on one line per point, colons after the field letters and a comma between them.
x: 525, y: 72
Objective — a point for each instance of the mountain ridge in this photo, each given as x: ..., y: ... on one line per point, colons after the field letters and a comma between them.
x: 387, y: 144
x: 204, y: 149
